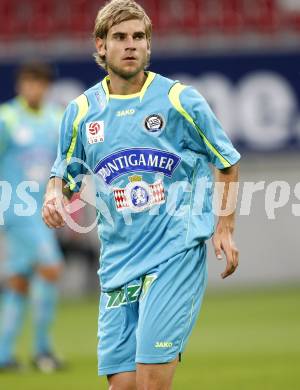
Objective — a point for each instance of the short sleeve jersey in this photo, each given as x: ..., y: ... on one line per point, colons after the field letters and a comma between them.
x: 27, y: 151
x: 149, y: 153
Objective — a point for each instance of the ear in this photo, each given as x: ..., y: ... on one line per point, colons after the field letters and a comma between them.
x: 100, y: 46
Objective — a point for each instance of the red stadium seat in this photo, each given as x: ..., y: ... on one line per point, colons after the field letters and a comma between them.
x: 232, y: 20
x: 23, y: 19
x: 261, y: 16
x: 42, y: 19
x: 81, y: 20
x: 7, y: 12
x: 56, y: 19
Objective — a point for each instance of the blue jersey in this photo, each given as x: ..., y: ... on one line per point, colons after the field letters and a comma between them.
x: 27, y: 151
x: 148, y: 152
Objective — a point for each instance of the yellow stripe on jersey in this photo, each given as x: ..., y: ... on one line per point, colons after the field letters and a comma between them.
x: 174, y: 96
x: 105, y: 87
x: 149, y: 80
x: 83, y: 106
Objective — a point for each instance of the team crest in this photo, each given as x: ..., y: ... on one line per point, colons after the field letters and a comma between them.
x: 138, y: 195
x: 154, y: 123
x: 95, y: 132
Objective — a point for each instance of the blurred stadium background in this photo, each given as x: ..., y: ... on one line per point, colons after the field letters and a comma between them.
x: 244, y: 57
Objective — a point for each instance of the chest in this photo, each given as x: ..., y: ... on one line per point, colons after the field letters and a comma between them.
x: 129, y: 129
x: 29, y: 133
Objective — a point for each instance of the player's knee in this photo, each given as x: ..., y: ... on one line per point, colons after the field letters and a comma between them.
x: 19, y: 284
x: 50, y: 273
x: 155, y: 376
x: 122, y: 387
x: 150, y: 382
x: 122, y: 381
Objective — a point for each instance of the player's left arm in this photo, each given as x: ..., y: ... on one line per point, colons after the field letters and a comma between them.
x: 223, y: 237
x: 207, y: 134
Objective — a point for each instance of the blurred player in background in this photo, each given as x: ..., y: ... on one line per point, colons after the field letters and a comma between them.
x: 28, y: 141
x: 147, y: 139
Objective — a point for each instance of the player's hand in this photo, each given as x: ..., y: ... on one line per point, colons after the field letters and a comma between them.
x: 53, y: 209
x: 223, y: 242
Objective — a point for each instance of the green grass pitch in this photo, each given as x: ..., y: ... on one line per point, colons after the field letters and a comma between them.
x: 246, y: 339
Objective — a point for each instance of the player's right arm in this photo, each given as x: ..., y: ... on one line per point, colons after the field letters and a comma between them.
x: 56, y: 198
x: 65, y: 171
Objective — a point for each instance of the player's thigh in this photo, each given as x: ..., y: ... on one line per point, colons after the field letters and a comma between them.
x: 51, y: 273
x: 169, y: 306
x: 46, y: 251
x: 19, y: 260
x: 18, y: 283
x: 116, y: 333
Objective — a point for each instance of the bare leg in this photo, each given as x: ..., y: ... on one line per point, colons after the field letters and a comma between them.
x: 122, y: 381
x: 155, y: 376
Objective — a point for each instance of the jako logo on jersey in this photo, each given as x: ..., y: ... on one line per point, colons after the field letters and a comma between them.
x: 130, y: 111
x: 95, y: 132
x: 154, y: 123
x: 136, y: 159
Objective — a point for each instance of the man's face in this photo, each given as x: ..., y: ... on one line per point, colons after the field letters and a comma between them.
x: 126, y: 48
x: 32, y: 90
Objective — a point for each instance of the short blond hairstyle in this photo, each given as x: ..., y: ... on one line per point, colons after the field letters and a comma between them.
x: 115, y: 12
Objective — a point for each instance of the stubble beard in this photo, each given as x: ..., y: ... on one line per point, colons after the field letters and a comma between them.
x: 125, y: 74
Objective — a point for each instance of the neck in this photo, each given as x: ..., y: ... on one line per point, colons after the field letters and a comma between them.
x: 32, y: 106
x: 119, y: 86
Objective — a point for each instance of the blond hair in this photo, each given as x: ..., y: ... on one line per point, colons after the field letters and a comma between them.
x: 115, y: 12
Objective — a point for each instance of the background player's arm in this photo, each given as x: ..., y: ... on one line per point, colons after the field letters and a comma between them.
x: 56, y: 197
x: 4, y: 128
x: 223, y: 236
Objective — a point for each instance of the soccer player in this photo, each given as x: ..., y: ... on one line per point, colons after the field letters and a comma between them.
x: 148, y: 142
x: 28, y: 133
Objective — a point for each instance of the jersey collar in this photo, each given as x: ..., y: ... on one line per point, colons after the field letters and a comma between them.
x: 140, y: 94
x: 25, y: 106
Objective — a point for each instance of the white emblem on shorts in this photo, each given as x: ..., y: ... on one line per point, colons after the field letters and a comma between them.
x: 138, y: 195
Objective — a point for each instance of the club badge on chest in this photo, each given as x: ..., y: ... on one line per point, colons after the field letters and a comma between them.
x: 138, y: 195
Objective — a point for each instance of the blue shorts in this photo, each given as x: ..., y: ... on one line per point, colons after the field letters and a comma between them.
x: 149, y: 320
x: 30, y: 246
